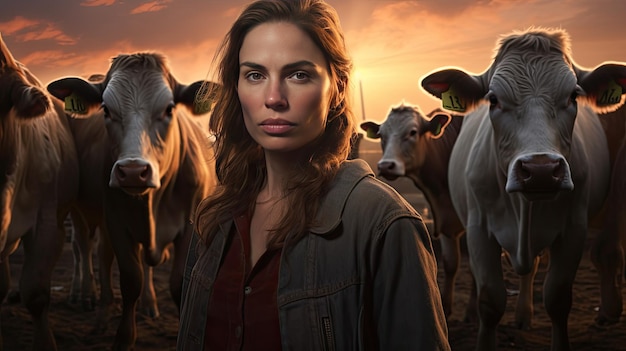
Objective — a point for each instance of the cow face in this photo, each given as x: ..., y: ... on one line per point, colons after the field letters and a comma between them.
x: 139, y: 100
x: 402, y: 136
x: 532, y: 91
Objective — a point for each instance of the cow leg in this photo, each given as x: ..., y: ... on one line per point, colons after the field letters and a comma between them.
x: 149, y: 304
x: 471, y: 312
x: 83, y: 280
x: 607, y: 255
x: 131, y: 283
x: 181, y: 247
x: 486, y: 265
x: 524, y: 308
x: 107, y: 307
x: 451, y: 254
x: 5, y: 283
x: 565, y: 255
x: 41, y: 252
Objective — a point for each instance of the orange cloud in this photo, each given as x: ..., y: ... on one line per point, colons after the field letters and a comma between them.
x: 152, y: 6
x: 50, y: 58
x: 17, y: 24
x: 94, y: 3
x: 49, y: 32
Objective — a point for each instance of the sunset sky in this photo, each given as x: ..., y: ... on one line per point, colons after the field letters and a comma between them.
x: 393, y: 43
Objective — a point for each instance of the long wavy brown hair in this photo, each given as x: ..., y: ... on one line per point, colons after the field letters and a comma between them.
x: 240, y: 161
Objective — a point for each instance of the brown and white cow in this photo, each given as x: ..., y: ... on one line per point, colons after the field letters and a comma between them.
x: 418, y: 146
x: 529, y: 167
x: 38, y: 183
x: 153, y: 162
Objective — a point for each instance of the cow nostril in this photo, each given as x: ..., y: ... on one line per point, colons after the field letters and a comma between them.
x: 119, y: 173
x: 386, y: 166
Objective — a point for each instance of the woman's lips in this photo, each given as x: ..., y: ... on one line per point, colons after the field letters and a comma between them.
x: 276, y: 126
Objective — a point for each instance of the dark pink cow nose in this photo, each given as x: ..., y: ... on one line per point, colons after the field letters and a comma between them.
x: 134, y: 174
x: 539, y: 173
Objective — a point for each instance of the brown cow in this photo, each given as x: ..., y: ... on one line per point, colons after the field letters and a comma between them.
x: 152, y: 161
x: 38, y: 178
x: 417, y: 147
x: 607, y: 253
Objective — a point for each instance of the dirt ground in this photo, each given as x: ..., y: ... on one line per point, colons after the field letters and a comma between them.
x: 72, y: 326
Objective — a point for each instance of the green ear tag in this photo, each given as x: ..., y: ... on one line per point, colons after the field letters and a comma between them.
x: 371, y: 133
x: 438, y: 130
x: 202, y: 106
x: 611, y: 96
x: 451, y: 101
x: 74, y: 104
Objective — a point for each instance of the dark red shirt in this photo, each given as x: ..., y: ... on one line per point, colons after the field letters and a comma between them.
x: 242, y: 313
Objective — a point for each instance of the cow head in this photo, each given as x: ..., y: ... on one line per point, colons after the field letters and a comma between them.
x: 21, y: 101
x: 138, y: 98
x: 532, y: 90
x: 402, y: 136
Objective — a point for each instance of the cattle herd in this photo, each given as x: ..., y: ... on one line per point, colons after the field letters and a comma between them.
x: 523, y: 159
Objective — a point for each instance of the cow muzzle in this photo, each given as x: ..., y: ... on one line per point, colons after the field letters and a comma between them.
x: 390, y: 169
x: 539, y: 176
x: 134, y: 176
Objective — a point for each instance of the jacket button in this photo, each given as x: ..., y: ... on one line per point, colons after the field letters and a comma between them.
x: 247, y: 290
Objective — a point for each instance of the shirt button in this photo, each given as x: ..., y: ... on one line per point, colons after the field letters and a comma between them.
x: 238, y: 332
x: 247, y: 290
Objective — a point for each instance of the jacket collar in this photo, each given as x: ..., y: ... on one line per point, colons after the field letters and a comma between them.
x: 331, y: 207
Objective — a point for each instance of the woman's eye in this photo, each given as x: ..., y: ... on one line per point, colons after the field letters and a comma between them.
x: 254, y: 76
x: 300, y: 75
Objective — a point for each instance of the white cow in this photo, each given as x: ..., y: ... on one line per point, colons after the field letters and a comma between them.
x: 529, y: 166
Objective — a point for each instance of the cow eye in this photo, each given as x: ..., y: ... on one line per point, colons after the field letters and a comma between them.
x: 493, y: 100
x: 413, y: 132
x: 105, y: 109
x: 573, y: 97
x: 167, y: 114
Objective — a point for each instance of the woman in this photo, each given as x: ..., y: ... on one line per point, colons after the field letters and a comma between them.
x: 299, y: 248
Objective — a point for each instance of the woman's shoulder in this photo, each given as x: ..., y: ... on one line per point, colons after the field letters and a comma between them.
x: 370, y: 191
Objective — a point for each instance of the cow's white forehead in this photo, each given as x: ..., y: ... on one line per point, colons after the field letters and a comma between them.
x: 534, y: 64
x: 128, y: 89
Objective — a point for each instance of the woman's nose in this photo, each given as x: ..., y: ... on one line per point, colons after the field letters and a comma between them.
x: 275, y: 97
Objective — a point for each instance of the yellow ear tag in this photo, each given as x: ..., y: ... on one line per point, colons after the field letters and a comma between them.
x: 451, y: 101
x: 611, y: 96
x: 74, y: 104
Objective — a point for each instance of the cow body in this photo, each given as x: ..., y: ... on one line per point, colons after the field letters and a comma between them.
x: 38, y: 178
x: 607, y: 252
x: 153, y: 163
x: 529, y: 168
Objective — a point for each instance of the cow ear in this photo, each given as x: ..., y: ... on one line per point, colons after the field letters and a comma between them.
x: 437, y: 124
x: 457, y: 90
x: 371, y: 129
x: 81, y: 97
x: 199, y: 96
x: 605, y: 86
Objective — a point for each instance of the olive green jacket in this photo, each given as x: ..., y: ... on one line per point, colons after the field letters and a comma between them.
x: 364, y: 279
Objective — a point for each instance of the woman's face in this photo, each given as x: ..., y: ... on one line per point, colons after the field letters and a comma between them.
x: 284, y: 87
